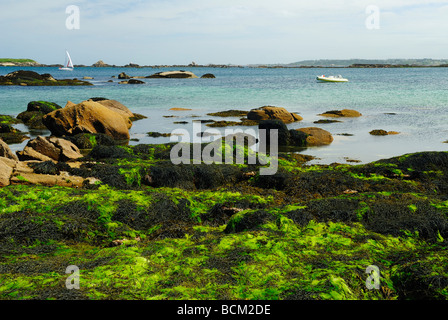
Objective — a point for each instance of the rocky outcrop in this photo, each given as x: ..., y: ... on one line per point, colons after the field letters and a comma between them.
x: 31, y: 78
x: 100, y: 64
x: 123, y: 76
x: 49, y: 149
x: 273, y: 113
x: 5, y: 151
x: 118, y: 107
x: 5, y: 173
x: 88, y: 117
x: 341, y: 113
x: 174, y: 75
x: 208, y: 76
x: 63, y: 180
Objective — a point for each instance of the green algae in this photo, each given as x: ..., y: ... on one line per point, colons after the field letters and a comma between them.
x: 158, y: 243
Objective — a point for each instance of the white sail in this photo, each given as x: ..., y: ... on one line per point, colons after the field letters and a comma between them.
x: 69, y: 64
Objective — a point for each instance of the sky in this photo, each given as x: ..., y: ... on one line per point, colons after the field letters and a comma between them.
x: 156, y: 32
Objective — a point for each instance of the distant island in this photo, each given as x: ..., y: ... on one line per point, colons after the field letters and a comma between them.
x: 322, y: 63
x: 6, y: 62
x: 360, y: 63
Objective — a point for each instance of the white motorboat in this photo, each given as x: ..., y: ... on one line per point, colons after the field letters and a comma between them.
x: 338, y: 78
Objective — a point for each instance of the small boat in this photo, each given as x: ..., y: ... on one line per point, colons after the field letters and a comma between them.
x: 331, y: 79
x: 68, y: 66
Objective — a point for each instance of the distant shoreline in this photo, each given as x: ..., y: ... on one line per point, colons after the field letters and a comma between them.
x: 6, y: 62
x: 225, y: 66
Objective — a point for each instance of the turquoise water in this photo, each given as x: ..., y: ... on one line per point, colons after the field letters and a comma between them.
x: 417, y: 97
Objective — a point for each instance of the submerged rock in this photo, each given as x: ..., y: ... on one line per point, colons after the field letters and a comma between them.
x: 208, y: 76
x: 223, y: 123
x: 229, y: 113
x: 341, y: 113
x: 135, y: 81
x: 158, y: 134
x: 325, y: 121
x: 381, y: 132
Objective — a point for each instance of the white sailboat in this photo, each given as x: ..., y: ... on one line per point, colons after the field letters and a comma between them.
x: 68, y: 63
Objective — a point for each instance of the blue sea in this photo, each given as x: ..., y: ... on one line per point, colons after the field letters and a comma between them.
x: 412, y: 101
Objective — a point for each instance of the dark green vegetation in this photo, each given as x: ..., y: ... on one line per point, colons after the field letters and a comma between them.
x: 154, y: 230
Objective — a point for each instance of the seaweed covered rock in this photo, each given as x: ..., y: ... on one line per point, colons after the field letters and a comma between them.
x: 49, y: 167
x: 7, y: 119
x: 249, y: 220
x: 90, y: 140
x: 11, y: 135
x: 31, y: 78
x: 88, y: 117
x: 190, y: 177
x: 42, y: 106
x: 32, y: 117
x: 219, y: 214
x: 103, y: 151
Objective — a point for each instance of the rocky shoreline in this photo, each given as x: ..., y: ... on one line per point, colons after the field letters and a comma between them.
x: 139, y: 227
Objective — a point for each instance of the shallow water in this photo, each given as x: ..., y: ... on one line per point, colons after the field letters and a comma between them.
x: 416, y: 97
